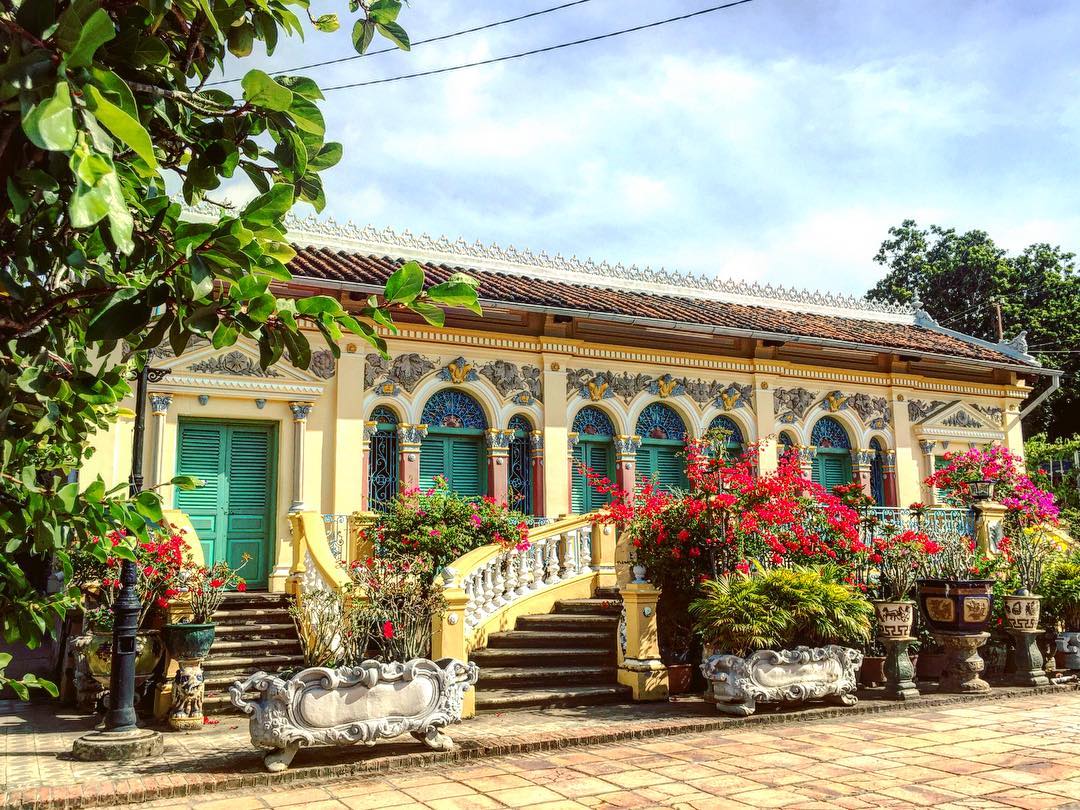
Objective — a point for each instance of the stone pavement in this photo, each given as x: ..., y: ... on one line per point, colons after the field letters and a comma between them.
x: 36, y: 769
x: 1011, y: 754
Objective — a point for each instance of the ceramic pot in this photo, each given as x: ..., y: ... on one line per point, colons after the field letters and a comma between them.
x: 148, y: 651
x: 930, y: 666
x: 894, y: 619
x: 679, y: 678
x: 188, y: 642
x: 872, y: 671
x: 957, y: 606
x: 1022, y: 612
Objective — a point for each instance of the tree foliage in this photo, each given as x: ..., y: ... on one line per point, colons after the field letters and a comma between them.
x: 102, y: 102
x: 958, y: 277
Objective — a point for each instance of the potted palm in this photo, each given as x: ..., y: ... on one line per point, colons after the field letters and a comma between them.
x: 1061, y: 601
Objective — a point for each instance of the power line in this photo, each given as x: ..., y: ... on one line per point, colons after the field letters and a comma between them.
x: 439, y: 38
x: 535, y: 51
x: 961, y: 314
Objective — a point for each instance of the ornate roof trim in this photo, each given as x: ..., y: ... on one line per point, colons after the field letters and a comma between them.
x: 328, y: 233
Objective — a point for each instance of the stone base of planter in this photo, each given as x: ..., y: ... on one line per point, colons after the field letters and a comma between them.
x: 1027, y: 659
x: 963, y: 663
x: 186, y: 713
x: 899, y: 671
x: 118, y: 746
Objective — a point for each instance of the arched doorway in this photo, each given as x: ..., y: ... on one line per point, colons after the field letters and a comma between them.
x: 454, y: 445
x: 786, y: 444
x: 519, y: 476
x: 383, y: 459
x: 595, y: 450
x: 832, y: 461
x: 734, y: 440
x: 877, y: 473
x: 663, y: 437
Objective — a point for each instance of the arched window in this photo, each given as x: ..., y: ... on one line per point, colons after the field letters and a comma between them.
x: 832, y: 461
x: 382, y: 459
x: 787, y: 444
x: 661, y: 457
x: 734, y: 441
x: 877, y: 473
x: 454, y: 445
x: 595, y: 450
x: 519, y: 476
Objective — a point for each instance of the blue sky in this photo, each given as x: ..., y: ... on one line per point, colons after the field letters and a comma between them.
x: 776, y: 141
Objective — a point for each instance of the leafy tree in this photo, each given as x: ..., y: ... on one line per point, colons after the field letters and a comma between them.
x: 958, y: 277
x: 101, y: 103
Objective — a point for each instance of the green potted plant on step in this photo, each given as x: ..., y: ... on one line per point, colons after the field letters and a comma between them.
x: 1061, y: 602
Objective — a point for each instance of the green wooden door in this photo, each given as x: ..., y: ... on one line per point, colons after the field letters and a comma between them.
x: 599, y: 456
x: 832, y: 469
x: 233, y: 511
x: 664, y: 461
x: 459, y: 458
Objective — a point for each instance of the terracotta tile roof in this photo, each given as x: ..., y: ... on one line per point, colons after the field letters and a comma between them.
x: 506, y: 288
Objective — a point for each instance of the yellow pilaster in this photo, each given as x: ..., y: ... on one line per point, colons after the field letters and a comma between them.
x: 908, y: 478
x: 765, y: 423
x: 640, y: 667
x: 556, y: 453
x: 603, y: 549
x: 448, y: 639
x: 988, y: 516
x: 348, y: 431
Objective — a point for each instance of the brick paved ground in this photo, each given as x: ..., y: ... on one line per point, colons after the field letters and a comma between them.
x: 1009, y: 754
x: 36, y: 768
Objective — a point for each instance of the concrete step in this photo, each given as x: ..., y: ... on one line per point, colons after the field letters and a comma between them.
x: 223, y: 647
x: 571, y: 622
x: 269, y: 662
x: 524, y: 657
x: 251, y: 615
x: 552, y: 677
x: 610, y: 594
x: 550, y: 639
x: 256, y: 599
x: 267, y: 630
x: 566, y: 696
x: 594, y: 607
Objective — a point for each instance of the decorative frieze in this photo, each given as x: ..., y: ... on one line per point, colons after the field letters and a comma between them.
x: 791, y: 404
x: 961, y: 419
x: 234, y: 364
x: 995, y: 415
x: 918, y: 409
x: 596, y: 386
x: 666, y: 386
x: 323, y: 365
x: 509, y: 378
x: 736, y: 396
x: 405, y: 370
x: 703, y: 391
x: 458, y: 371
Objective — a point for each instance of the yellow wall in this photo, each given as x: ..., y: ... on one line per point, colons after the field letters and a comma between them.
x: 334, y: 432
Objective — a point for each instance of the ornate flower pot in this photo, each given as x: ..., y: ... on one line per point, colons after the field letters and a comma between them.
x: 1022, y: 612
x: 957, y: 606
x: 784, y: 676
x: 148, y: 651
x: 188, y: 642
x: 872, y: 671
x: 361, y: 704
x: 894, y: 619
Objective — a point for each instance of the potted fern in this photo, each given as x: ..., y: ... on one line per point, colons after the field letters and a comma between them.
x: 1061, y: 601
x: 780, y: 633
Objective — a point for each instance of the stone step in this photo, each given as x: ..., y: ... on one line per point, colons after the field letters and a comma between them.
x: 571, y: 622
x: 218, y: 703
x: 524, y: 657
x: 269, y: 662
x: 256, y: 598
x: 594, y: 607
x: 566, y: 696
x: 551, y: 639
x: 251, y: 615
x: 232, y: 644
x: 254, y: 631
x: 610, y: 594
x: 552, y: 677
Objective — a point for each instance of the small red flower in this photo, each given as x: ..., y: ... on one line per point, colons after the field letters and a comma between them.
x: 388, y: 629
x: 241, y: 586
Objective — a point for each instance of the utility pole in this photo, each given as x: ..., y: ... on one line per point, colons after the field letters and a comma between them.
x: 998, y: 322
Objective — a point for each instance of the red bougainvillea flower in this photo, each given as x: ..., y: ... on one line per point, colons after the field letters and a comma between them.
x: 388, y: 630
x: 241, y: 586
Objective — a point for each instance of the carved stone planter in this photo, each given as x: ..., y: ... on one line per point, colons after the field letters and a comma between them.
x: 957, y: 606
x: 784, y: 676
x: 361, y: 704
x: 1068, y: 650
x: 1021, y: 612
x: 894, y: 619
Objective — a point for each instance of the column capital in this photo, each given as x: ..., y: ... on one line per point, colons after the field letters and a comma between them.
x: 888, y: 461
x: 863, y: 457
x: 807, y: 453
x: 370, y: 429
x: 927, y: 447
x: 536, y: 442
x: 498, y: 440
x: 571, y: 441
x: 301, y: 410
x: 626, y: 447
x: 159, y: 402
x: 411, y: 435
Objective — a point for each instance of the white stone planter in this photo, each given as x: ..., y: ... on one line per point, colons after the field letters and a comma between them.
x: 784, y: 676
x: 1069, y: 644
x: 361, y: 704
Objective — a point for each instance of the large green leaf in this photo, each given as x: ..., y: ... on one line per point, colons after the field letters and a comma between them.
x: 50, y: 124
x: 127, y: 129
x: 261, y: 90
x: 94, y: 33
x: 395, y: 33
x: 269, y: 208
x: 405, y: 284
x: 456, y: 294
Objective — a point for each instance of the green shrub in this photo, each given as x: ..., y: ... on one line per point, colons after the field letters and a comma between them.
x: 1061, y: 591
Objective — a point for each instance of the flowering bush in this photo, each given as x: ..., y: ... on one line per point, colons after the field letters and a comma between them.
x: 334, y: 628
x: 205, y: 587
x: 1027, y: 504
x: 400, y: 604
x: 96, y: 569
x: 439, y: 526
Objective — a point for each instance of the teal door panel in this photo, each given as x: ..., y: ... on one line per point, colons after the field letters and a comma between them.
x: 599, y: 456
x: 457, y: 457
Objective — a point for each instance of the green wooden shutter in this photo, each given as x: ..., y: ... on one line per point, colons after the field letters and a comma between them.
x: 832, y: 469
x: 201, y: 453
x: 670, y: 466
x: 432, y: 460
x: 466, y: 477
x: 600, y: 460
x: 249, y: 469
x: 578, y: 484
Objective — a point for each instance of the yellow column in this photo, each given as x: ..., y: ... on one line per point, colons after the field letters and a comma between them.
x: 1014, y: 434
x: 603, y: 555
x: 556, y: 457
x: 640, y: 666
x: 908, y: 478
x: 159, y: 409
x: 988, y: 523
x: 448, y: 638
x: 348, y: 431
x: 926, y: 447
x: 765, y: 423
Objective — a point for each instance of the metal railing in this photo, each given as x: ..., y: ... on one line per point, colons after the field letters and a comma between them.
x: 337, y: 535
x: 939, y: 523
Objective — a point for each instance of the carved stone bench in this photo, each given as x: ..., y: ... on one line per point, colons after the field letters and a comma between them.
x: 362, y: 704
x: 784, y: 676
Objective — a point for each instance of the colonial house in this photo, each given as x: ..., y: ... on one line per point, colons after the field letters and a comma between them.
x: 572, y: 361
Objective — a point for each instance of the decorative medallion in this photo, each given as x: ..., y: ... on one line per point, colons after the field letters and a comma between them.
x: 962, y: 419
x: 234, y: 363
x: 940, y: 609
x: 388, y: 388
x: 407, y: 370
x: 323, y: 364
x: 735, y: 396
x: 666, y: 386
x: 628, y: 386
x: 508, y: 378
x: 702, y: 391
x: 870, y: 409
x: 459, y: 371
x: 796, y: 401
x: 834, y: 401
